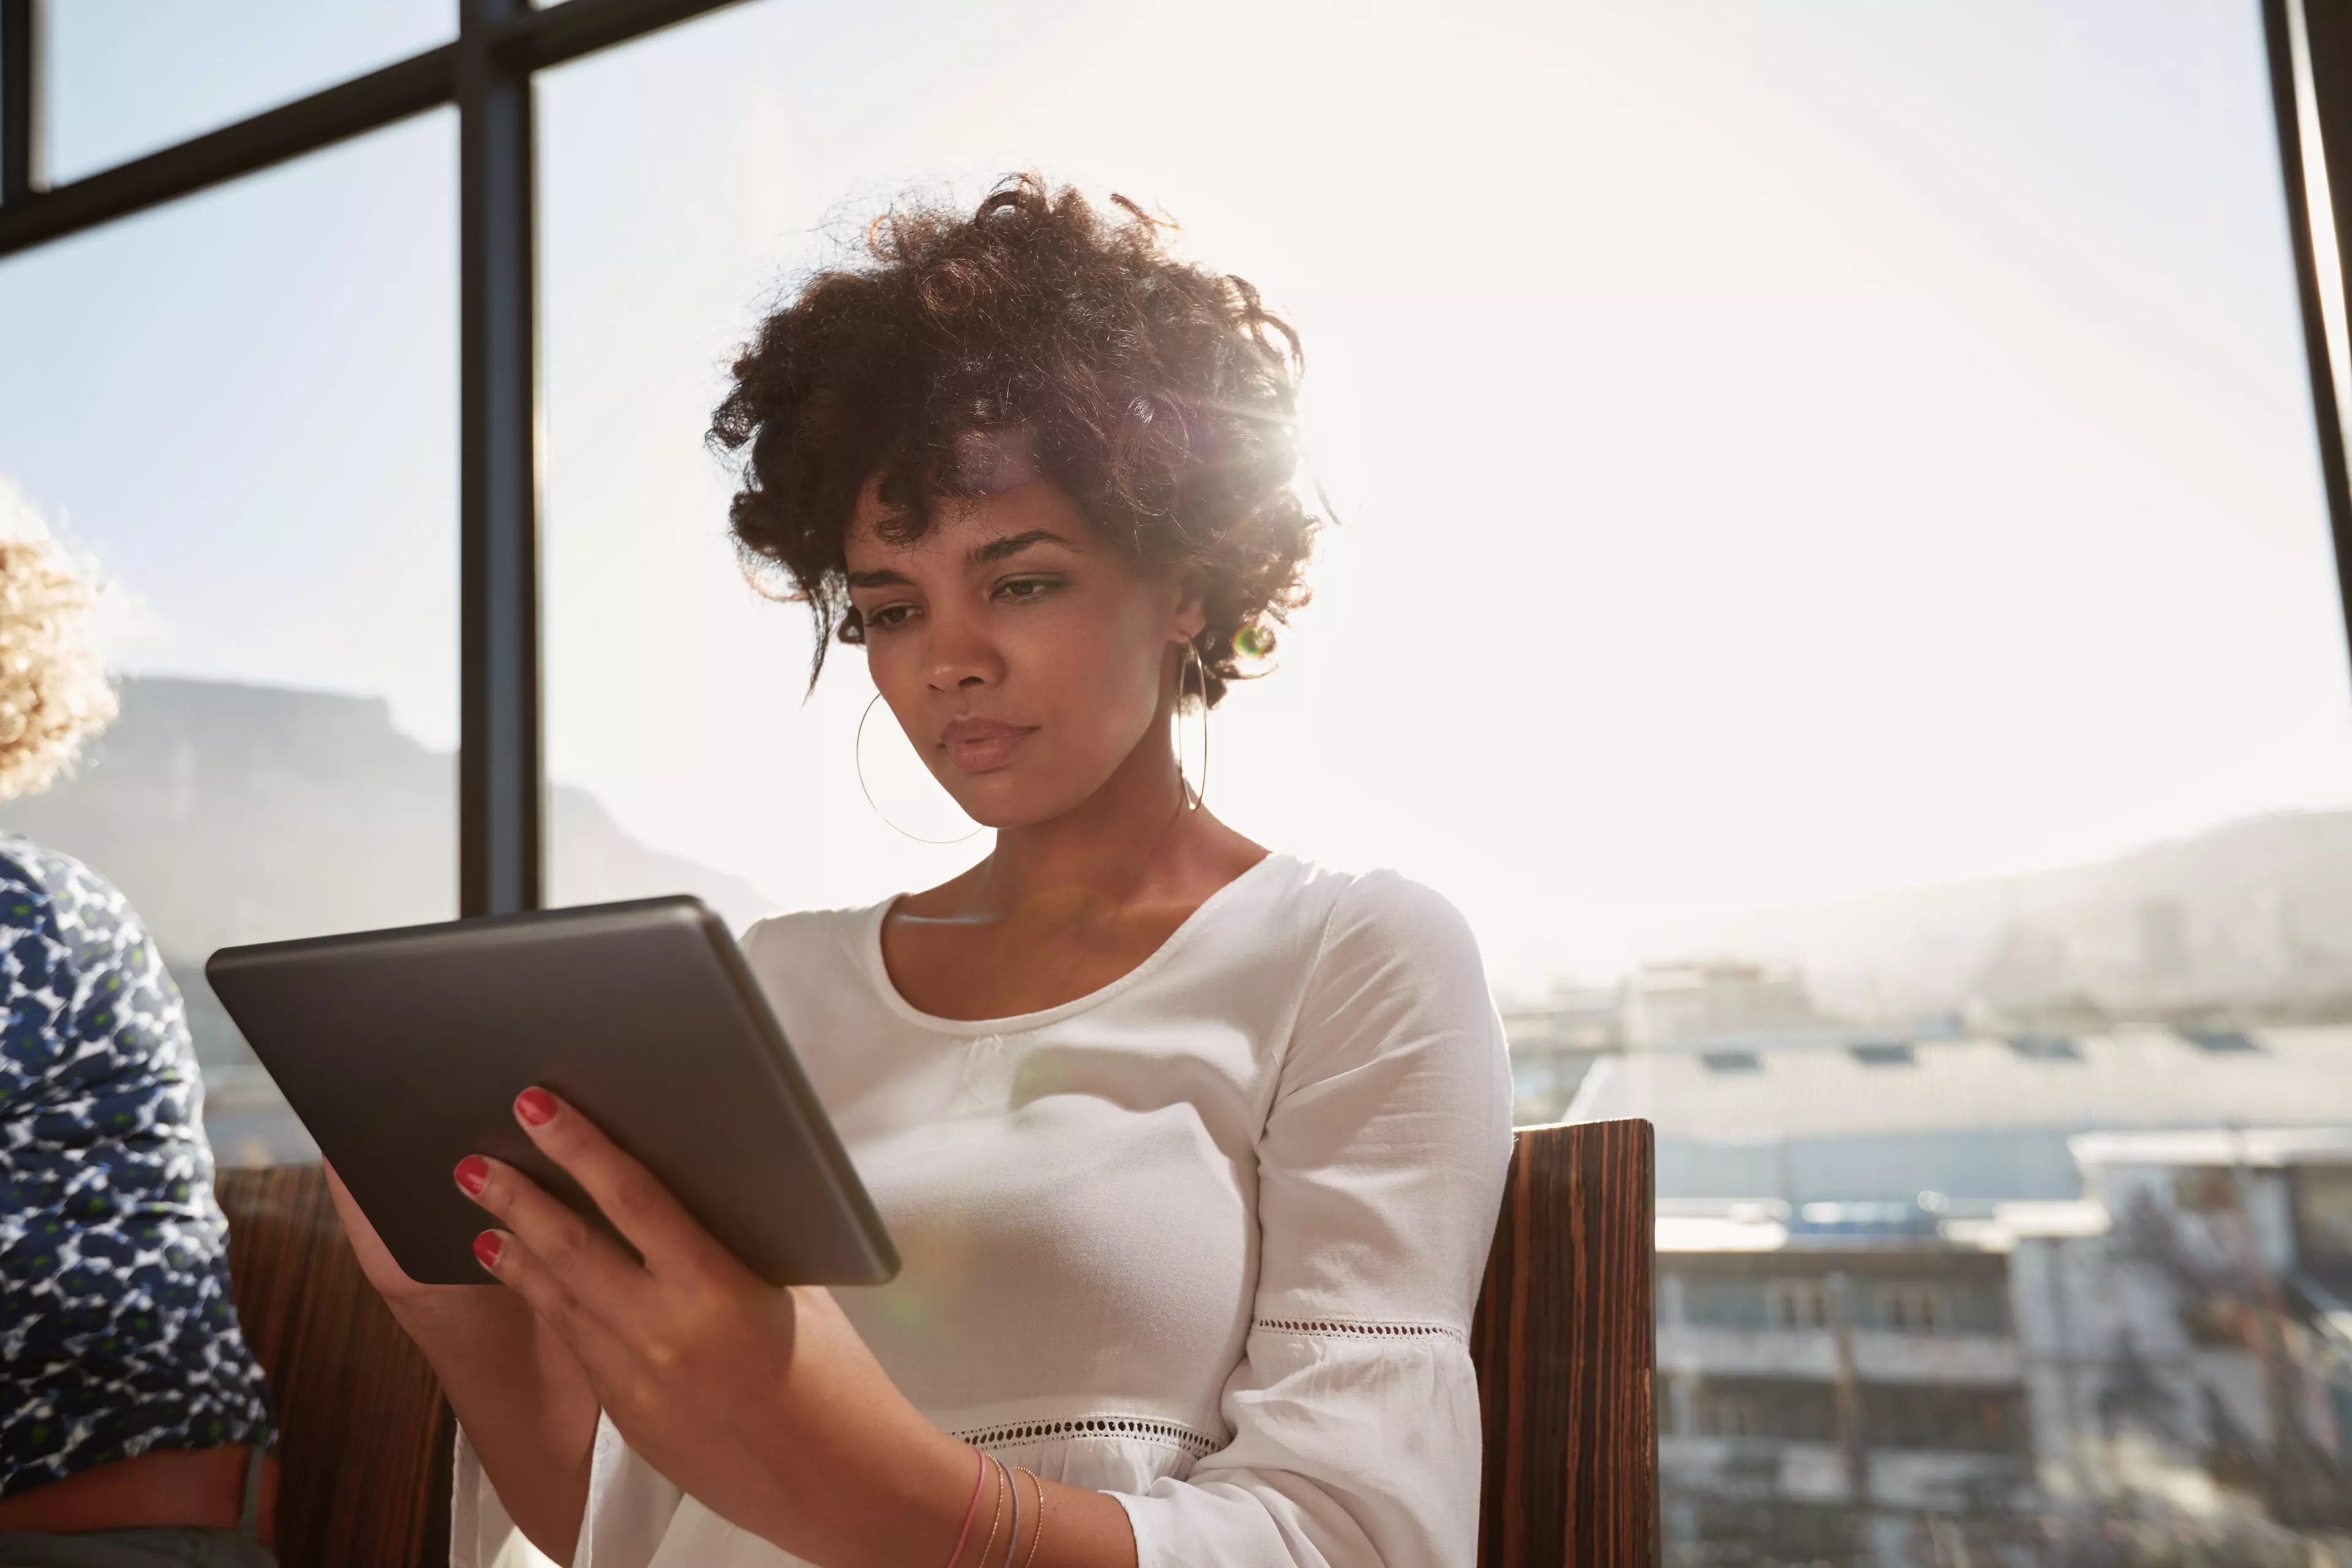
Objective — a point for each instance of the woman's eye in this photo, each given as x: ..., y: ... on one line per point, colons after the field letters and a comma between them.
x: 889, y: 616
x: 1018, y: 588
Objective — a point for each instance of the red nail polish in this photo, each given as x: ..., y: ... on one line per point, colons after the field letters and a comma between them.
x: 535, y: 1106
x: 486, y: 1248
x: 473, y: 1174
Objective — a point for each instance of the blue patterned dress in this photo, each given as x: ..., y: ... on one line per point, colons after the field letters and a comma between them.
x: 117, y: 1332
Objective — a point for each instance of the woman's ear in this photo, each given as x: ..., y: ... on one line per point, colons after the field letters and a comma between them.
x: 1191, y: 612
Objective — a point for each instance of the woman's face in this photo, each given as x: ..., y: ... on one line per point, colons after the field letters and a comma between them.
x: 1025, y: 656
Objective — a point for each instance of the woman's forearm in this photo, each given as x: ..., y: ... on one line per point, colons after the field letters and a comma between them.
x: 1055, y: 1526
x: 525, y: 1404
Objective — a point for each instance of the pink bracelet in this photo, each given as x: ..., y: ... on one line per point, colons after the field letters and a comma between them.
x: 971, y: 1509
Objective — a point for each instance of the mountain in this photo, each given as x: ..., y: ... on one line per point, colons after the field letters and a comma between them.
x: 2252, y: 918
x: 232, y: 814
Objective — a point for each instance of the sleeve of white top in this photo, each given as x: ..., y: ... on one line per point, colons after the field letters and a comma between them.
x: 480, y: 1533
x: 629, y: 1507
x: 1355, y: 1408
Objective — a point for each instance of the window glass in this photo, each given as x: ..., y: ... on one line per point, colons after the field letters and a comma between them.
x: 127, y: 76
x: 241, y: 405
x: 1832, y: 580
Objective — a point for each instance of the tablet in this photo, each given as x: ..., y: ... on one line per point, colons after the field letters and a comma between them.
x: 403, y: 1051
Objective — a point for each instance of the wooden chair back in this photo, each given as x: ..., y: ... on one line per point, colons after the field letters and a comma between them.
x: 1565, y: 1344
x: 364, y: 1438
x: 1564, y: 1340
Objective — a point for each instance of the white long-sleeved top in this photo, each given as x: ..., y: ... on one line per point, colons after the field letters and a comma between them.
x: 1207, y: 1239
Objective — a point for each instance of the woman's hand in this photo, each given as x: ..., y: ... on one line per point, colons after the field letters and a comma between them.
x: 521, y: 1397
x: 762, y: 1402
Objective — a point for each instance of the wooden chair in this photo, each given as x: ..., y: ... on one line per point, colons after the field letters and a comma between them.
x: 1565, y: 1345
x: 365, y: 1440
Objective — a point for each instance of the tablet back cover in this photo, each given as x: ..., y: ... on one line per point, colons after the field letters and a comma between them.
x: 403, y: 1051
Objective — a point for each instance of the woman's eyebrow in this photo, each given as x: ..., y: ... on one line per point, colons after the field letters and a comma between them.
x: 1014, y: 543
x: 875, y: 580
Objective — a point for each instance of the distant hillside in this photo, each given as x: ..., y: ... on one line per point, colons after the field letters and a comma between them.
x: 231, y: 813
x: 2252, y: 916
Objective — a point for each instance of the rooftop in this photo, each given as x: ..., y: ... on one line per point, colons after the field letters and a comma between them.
x: 2257, y: 1146
x: 2132, y: 1081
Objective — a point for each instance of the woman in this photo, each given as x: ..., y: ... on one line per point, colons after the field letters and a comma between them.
x: 1192, y: 1151
x: 133, y: 1422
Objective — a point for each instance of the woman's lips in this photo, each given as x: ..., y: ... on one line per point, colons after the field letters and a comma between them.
x: 976, y: 745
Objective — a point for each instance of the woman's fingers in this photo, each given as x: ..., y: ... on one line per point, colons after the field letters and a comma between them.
x: 602, y: 1354
x: 631, y: 1196
x: 565, y: 1248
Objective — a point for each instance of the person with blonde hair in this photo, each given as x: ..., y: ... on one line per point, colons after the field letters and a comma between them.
x: 135, y: 1425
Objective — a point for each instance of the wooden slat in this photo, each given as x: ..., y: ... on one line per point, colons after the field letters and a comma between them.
x: 1565, y: 1345
x: 364, y: 1436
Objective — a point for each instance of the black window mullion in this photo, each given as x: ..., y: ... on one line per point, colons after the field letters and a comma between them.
x: 2319, y: 178
x: 499, y: 781
x: 20, y: 99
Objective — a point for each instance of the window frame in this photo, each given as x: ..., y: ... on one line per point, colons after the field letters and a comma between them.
x: 488, y: 72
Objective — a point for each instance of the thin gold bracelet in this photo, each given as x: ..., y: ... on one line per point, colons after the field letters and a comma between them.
x: 995, y: 1516
x: 1033, y: 1540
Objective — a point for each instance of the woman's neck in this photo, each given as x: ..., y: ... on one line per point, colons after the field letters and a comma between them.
x: 1137, y: 839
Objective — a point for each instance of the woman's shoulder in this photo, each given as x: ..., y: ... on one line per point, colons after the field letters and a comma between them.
x: 1396, y: 1022
x: 1380, y: 909
x: 824, y: 939
x: 1386, y: 943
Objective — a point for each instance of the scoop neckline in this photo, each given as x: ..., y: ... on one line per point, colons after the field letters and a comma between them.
x: 1020, y: 1023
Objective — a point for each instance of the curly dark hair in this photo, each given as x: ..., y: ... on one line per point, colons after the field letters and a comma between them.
x: 1160, y: 395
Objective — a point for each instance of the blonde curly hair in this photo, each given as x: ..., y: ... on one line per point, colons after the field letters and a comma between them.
x: 55, y: 693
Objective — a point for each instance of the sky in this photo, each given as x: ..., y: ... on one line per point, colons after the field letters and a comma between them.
x: 1782, y: 452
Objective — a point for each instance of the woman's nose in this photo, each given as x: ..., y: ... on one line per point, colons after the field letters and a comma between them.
x: 960, y: 659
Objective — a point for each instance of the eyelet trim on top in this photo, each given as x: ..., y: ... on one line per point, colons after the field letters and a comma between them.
x: 1136, y: 1428
x: 1361, y: 1330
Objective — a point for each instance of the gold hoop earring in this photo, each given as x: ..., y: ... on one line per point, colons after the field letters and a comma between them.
x: 857, y: 760
x: 1193, y: 794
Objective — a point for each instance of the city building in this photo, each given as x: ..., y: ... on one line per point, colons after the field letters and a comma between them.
x: 1680, y: 1004
x: 1554, y: 1041
x: 2199, y: 1343
x: 1838, y: 1401
x: 1975, y: 1122
x: 1976, y: 1302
